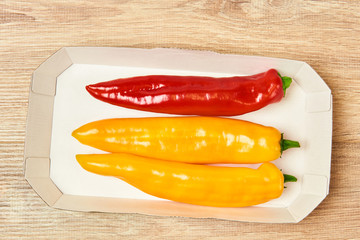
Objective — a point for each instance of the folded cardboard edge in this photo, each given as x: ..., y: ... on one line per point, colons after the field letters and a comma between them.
x: 44, y: 77
x: 191, y: 60
x: 41, y: 104
x: 319, y: 152
x: 314, y: 191
x: 169, y: 208
x: 38, y: 126
x: 316, y: 180
x: 318, y: 93
x: 38, y: 176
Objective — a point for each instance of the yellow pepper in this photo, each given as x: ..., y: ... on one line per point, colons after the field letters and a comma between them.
x: 186, y: 139
x: 191, y: 183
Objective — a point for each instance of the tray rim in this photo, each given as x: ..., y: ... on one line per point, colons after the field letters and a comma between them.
x: 38, y: 136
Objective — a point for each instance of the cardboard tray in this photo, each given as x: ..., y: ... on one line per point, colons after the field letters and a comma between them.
x: 58, y: 104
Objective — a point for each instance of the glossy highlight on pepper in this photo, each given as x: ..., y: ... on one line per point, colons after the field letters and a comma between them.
x: 194, y: 95
x: 190, y: 183
x: 186, y: 139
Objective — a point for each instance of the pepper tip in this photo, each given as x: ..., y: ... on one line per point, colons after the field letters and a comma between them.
x: 74, y: 133
x: 89, y: 88
x: 92, y: 90
x: 80, y: 159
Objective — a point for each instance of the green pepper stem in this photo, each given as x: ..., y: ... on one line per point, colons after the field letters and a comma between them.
x: 286, y: 144
x: 289, y: 178
x: 286, y: 81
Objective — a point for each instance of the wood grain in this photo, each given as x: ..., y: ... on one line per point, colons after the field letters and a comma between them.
x: 324, y: 34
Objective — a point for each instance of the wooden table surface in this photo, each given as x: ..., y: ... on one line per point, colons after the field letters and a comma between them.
x: 324, y: 34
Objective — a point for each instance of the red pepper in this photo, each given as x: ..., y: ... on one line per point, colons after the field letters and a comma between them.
x: 194, y: 95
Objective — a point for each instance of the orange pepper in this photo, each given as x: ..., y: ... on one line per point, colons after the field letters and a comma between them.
x: 190, y: 183
x: 187, y: 139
